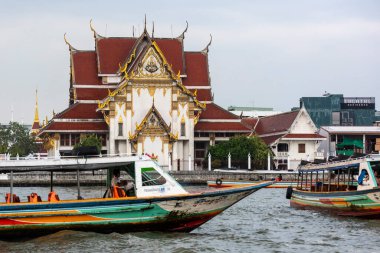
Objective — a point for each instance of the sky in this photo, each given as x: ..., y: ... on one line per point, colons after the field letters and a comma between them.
x: 266, y: 53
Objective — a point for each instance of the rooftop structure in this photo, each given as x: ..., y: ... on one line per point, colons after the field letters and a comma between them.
x: 337, y: 110
x: 246, y: 111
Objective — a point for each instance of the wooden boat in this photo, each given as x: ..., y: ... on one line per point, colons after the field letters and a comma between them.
x: 155, y: 202
x: 220, y: 183
x: 349, y: 188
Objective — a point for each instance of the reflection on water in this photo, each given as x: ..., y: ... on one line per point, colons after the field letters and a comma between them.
x: 263, y: 222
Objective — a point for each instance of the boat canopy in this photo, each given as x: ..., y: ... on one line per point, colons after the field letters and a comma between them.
x: 338, y: 165
x: 68, y: 163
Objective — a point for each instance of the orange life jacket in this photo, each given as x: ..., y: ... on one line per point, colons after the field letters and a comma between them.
x: 33, y: 197
x: 118, y: 192
x: 53, y: 197
x: 8, y: 198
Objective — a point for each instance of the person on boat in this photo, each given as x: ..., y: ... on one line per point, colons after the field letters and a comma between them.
x: 119, y: 182
x: 363, y: 177
x: 377, y: 177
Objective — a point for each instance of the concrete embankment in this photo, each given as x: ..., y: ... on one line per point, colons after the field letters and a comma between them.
x: 99, y: 177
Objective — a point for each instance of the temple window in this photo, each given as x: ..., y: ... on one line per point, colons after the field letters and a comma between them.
x: 75, y: 138
x: 183, y: 129
x: 65, y: 139
x: 301, y: 148
x: 282, y: 147
x: 120, y: 129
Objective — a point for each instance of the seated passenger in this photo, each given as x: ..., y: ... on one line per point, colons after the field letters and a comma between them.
x: 34, y: 198
x: 53, y: 197
x: 15, y: 198
x: 377, y: 177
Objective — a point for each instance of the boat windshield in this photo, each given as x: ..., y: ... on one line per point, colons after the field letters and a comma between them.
x: 151, y: 177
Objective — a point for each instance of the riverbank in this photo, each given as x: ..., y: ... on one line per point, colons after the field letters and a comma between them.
x: 90, y: 178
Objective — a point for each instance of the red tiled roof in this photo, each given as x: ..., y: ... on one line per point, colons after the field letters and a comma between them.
x: 203, y: 95
x: 250, y: 122
x: 111, y: 52
x: 173, y: 52
x: 36, y: 125
x: 304, y: 136
x: 79, y: 126
x: 196, y: 69
x: 214, y: 111
x: 276, y: 123
x: 80, y: 111
x: 85, y: 70
x: 221, y: 126
x: 270, y: 139
x: 91, y: 93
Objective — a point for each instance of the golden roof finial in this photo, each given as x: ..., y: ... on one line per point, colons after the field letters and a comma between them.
x: 182, y: 36
x: 205, y: 50
x: 36, y: 118
x: 96, y: 35
x: 68, y: 43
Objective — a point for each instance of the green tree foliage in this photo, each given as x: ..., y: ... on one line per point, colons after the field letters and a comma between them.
x: 90, y: 140
x: 15, y: 139
x: 239, y: 148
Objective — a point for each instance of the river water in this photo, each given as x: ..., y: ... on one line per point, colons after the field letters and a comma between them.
x: 263, y: 222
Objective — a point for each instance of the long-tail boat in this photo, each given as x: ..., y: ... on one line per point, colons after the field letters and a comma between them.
x: 349, y: 187
x: 155, y: 202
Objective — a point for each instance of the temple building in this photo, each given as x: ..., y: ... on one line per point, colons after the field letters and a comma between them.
x: 142, y: 95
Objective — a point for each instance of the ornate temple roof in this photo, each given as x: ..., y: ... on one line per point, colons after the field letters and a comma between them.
x: 89, y: 67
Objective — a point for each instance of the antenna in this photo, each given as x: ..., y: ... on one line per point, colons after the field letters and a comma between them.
x: 133, y: 31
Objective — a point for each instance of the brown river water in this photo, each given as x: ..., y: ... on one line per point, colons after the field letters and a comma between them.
x: 263, y: 222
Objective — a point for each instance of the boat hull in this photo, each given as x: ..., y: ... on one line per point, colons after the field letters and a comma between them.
x: 181, y: 213
x: 364, y: 203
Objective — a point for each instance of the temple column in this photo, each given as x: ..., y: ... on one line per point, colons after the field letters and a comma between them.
x: 112, y: 135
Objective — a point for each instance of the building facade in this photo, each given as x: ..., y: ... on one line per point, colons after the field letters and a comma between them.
x: 337, y: 110
x: 292, y: 137
x: 141, y: 95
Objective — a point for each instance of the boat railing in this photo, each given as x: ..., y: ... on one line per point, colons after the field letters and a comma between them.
x: 58, y: 157
x: 334, y: 163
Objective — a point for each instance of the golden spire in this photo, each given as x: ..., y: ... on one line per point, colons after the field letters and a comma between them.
x: 36, y: 118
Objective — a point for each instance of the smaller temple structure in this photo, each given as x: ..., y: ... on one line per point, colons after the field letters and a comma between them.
x: 292, y: 137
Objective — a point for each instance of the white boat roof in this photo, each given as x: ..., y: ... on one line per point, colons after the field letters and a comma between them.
x: 340, y: 164
x: 68, y: 163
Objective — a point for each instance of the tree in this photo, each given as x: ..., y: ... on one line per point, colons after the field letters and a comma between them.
x: 89, y: 141
x: 239, y: 148
x: 16, y: 140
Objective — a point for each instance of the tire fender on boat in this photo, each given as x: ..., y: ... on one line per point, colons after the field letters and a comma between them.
x: 289, y: 192
x: 218, y: 182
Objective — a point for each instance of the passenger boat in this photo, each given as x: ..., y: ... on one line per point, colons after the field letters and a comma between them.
x: 156, y: 202
x: 349, y: 187
x: 220, y: 183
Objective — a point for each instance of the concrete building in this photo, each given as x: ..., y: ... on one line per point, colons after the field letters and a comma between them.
x: 346, y: 140
x: 337, y: 110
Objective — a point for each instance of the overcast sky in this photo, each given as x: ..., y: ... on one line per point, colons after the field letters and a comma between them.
x: 264, y: 53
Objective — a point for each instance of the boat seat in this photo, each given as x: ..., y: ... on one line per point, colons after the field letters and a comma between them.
x: 16, y: 198
x: 53, y: 197
x: 33, y: 197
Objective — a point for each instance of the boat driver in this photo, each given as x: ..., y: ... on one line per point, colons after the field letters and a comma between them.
x: 119, y: 182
